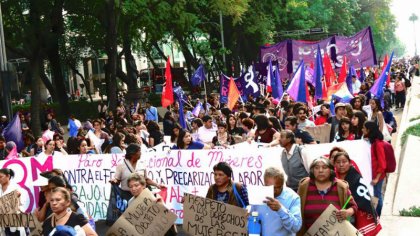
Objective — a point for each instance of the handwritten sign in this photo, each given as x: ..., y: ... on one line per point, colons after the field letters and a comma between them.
x: 203, y: 216
x: 17, y: 220
x: 328, y: 224
x: 9, y: 203
x: 144, y: 216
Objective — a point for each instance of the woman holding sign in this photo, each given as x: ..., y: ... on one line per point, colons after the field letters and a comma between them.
x: 62, y: 215
x: 6, y: 188
x: 320, y: 190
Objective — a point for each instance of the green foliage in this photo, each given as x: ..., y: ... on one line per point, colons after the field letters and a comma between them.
x: 415, y: 118
x: 412, y: 211
x: 412, y: 130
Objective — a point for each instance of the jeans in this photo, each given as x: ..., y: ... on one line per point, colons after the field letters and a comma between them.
x: 377, y: 192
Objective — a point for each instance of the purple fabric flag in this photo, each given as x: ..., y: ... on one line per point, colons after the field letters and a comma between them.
x: 318, y: 74
x: 349, y: 81
x: 224, y: 87
x: 198, y: 76
x: 358, y: 48
x: 73, y: 130
x: 276, y: 85
x: 377, y: 89
x: 13, y: 132
x: 197, y: 109
x: 179, y: 93
x: 362, y: 75
x: 296, y: 88
x: 309, y: 76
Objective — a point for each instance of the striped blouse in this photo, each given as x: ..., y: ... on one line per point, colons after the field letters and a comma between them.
x: 317, y: 201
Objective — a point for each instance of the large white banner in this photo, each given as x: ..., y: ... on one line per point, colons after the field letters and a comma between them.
x: 188, y: 171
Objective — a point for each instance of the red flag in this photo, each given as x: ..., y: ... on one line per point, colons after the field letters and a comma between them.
x: 312, y: 65
x: 343, y: 71
x: 388, y: 80
x: 324, y: 91
x: 167, y: 92
x: 330, y: 77
x: 233, y: 94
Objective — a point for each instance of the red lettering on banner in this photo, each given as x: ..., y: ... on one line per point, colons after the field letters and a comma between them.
x: 175, y: 194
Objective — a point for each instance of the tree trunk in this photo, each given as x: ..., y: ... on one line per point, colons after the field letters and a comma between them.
x: 73, y: 68
x: 47, y: 82
x: 33, y: 39
x: 110, y: 24
x: 56, y: 32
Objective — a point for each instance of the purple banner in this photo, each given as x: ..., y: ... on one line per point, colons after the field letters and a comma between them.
x: 359, y: 50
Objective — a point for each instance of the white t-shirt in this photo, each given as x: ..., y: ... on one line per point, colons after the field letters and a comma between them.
x: 125, y: 169
x: 206, y: 135
x: 306, y: 123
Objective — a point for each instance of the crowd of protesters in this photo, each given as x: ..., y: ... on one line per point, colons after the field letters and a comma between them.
x: 297, y: 201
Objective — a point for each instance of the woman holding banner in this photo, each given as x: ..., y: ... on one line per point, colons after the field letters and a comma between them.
x: 366, y: 217
x: 320, y: 190
x: 7, y: 187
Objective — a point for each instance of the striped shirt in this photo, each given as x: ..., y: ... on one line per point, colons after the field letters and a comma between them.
x: 317, y: 201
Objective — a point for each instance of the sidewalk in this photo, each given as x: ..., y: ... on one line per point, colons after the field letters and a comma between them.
x: 403, y: 188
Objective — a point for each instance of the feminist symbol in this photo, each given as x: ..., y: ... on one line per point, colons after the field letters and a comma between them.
x: 249, y: 78
x: 363, y: 191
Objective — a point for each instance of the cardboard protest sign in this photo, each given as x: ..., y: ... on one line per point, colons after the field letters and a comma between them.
x: 17, y: 220
x: 203, y: 216
x: 144, y: 216
x: 320, y: 133
x: 328, y: 224
x: 9, y: 203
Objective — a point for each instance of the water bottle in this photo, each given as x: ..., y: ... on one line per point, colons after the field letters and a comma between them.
x: 254, y: 224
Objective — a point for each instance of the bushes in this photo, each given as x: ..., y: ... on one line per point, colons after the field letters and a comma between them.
x: 413, y: 130
x: 412, y: 211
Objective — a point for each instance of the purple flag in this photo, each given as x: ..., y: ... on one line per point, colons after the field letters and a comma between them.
x: 296, y: 88
x: 224, y: 87
x: 198, y: 76
x: 309, y: 75
x: 13, y: 132
x: 181, y: 100
x: 197, y: 109
x: 358, y: 48
x: 378, y: 87
x: 276, y: 85
x: 349, y: 81
x: 318, y: 74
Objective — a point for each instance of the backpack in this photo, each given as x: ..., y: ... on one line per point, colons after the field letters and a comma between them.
x: 391, y: 163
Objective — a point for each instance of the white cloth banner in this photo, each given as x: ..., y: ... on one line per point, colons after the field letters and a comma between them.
x: 183, y: 171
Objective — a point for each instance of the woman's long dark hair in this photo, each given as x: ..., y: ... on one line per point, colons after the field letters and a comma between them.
x: 374, y: 132
x: 340, y: 129
x: 357, y: 130
x: 180, y: 141
x: 229, y: 128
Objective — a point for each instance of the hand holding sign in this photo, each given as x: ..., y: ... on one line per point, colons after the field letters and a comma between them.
x: 273, y: 203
